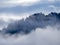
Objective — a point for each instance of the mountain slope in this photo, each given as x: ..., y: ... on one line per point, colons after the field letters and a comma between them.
x: 37, y: 20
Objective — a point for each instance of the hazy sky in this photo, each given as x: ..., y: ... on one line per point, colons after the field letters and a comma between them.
x: 16, y: 9
x: 29, y: 6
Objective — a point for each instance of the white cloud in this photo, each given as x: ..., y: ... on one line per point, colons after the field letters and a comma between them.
x: 51, y: 0
x: 10, y: 16
x: 46, y: 36
x: 6, y: 18
x: 54, y: 8
x: 18, y: 2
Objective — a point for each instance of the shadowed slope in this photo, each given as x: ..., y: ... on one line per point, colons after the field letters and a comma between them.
x: 34, y: 21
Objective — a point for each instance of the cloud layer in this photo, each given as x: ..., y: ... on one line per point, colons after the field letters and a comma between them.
x: 11, y: 3
x: 29, y: 6
x: 47, y: 36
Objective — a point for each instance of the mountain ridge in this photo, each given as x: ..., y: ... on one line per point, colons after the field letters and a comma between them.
x: 37, y: 20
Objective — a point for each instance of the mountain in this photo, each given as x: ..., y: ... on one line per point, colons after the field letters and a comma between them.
x: 37, y: 20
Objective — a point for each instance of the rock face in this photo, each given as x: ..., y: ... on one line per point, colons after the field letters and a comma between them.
x: 34, y: 21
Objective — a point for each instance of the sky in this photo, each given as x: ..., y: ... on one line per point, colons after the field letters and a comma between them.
x: 16, y: 10
x: 29, y: 6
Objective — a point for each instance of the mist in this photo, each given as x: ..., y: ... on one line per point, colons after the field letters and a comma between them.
x: 46, y: 36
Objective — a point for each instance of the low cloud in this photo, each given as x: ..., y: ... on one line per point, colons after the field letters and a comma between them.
x: 6, y: 18
x: 47, y: 36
